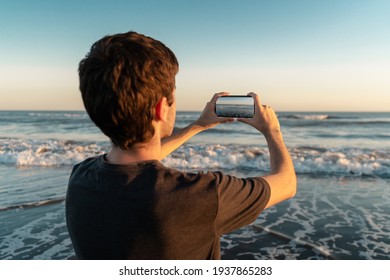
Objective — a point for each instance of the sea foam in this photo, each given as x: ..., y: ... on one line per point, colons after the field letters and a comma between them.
x: 307, y: 159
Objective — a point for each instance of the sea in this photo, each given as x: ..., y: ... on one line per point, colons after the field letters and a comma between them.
x: 341, y: 209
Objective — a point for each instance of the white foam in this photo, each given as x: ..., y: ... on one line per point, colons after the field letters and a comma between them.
x: 313, y: 160
x: 313, y: 117
x: 22, y: 152
x: 306, y: 160
x: 42, y: 238
x: 218, y: 156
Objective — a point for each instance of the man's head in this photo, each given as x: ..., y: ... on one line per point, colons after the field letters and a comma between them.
x: 122, y: 80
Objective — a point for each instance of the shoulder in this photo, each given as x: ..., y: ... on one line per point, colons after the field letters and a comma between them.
x: 84, y: 169
x: 86, y: 163
x: 219, y: 181
x: 189, y: 177
x: 228, y: 184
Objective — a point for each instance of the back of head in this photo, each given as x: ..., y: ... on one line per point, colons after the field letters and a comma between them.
x: 122, y: 79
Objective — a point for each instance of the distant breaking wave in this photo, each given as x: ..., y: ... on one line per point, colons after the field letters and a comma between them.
x: 316, y: 117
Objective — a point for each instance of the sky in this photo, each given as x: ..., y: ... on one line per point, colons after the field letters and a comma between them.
x: 298, y: 55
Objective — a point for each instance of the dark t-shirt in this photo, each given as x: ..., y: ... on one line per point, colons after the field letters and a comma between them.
x: 149, y: 211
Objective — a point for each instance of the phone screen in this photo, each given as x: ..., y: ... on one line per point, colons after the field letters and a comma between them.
x: 235, y: 106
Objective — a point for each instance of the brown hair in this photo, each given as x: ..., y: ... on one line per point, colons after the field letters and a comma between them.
x: 122, y: 79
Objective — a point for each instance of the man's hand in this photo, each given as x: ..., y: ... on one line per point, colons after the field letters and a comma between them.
x: 264, y: 119
x: 208, y: 118
x: 282, y: 178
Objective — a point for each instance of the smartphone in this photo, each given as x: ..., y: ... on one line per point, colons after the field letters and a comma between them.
x: 235, y: 106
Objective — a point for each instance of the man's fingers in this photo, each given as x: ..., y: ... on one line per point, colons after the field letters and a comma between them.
x: 256, y: 98
x: 218, y: 95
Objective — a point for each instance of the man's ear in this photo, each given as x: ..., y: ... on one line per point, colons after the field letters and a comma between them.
x: 161, y: 110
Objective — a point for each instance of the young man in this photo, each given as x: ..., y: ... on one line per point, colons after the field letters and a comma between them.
x: 126, y: 204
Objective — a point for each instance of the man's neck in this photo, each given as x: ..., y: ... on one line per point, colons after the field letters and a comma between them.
x: 141, y: 152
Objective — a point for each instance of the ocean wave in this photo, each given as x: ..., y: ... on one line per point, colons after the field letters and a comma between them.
x: 316, y: 117
x: 58, y: 114
x: 340, y: 120
x: 347, y: 161
x: 29, y: 152
x: 312, y: 160
x: 307, y: 159
x: 33, y: 204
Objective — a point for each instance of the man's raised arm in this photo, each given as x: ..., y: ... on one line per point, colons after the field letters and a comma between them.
x: 282, y: 178
x: 206, y: 120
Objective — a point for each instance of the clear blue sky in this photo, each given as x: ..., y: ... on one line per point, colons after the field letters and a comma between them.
x: 299, y: 55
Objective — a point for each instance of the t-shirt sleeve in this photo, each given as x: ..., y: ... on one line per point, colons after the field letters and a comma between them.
x: 240, y: 201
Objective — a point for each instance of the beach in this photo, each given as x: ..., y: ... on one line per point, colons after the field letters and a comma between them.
x: 342, y: 160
